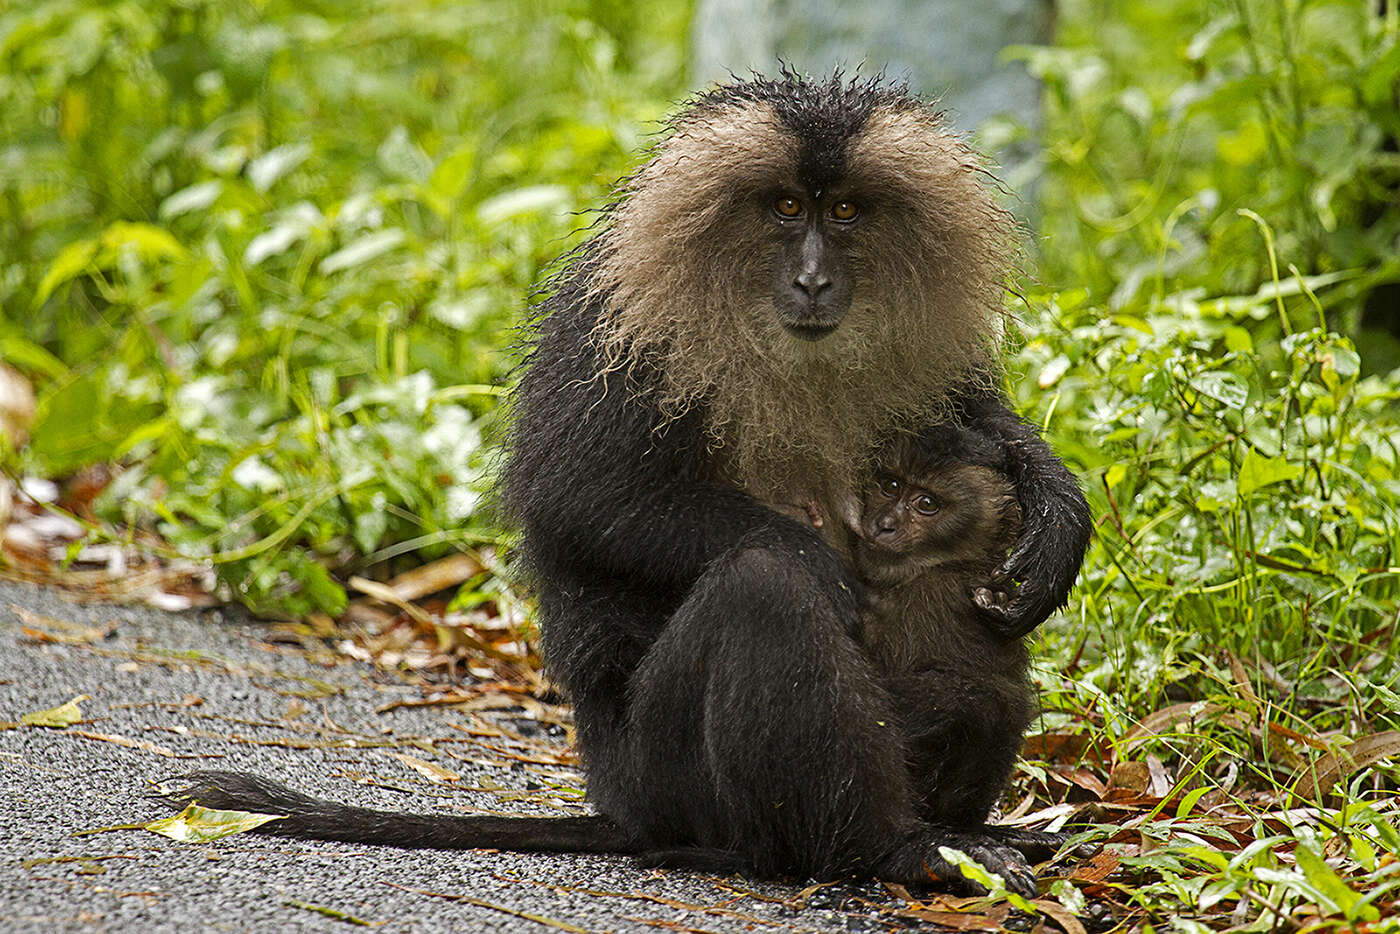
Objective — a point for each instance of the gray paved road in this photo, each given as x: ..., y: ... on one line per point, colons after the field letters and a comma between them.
x: 143, y: 679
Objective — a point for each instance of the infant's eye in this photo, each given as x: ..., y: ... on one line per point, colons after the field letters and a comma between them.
x: 844, y: 211
x: 925, y: 504
x: 889, y: 486
x: 788, y: 207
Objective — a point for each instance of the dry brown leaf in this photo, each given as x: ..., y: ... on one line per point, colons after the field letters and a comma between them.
x: 1237, y: 671
x: 435, y: 773
x: 1060, y: 915
x: 1083, y: 778
x: 991, y: 920
x: 1129, y: 776
x: 1093, y: 873
x: 129, y: 743
x: 1051, y: 816
x: 1055, y: 747
x: 43, y: 628
x: 439, y: 575
x: 1330, y: 767
x: 386, y: 594
x: 1279, y: 729
x: 1175, y: 718
x: 1159, y: 782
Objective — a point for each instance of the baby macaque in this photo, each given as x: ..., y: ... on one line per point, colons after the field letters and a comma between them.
x: 926, y: 534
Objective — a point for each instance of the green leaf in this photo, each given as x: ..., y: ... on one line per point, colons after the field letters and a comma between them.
x: 1067, y: 894
x: 400, y: 156
x: 149, y: 242
x: 68, y: 264
x: 201, y: 825
x: 370, y: 526
x: 535, y: 199
x: 1237, y: 339
x: 1326, y: 881
x: 265, y: 170
x: 362, y: 250
x: 1051, y: 373
x: 61, y: 716
x: 324, y: 591
x: 194, y: 198
x: 1259, y: 471
x: 450, y: 178
x: 1340, y: 366
x: 1223, y: 387
x: 991, y: 881
x: 26, y: 355
x: 1245, y: 145
x: 1188, y: 801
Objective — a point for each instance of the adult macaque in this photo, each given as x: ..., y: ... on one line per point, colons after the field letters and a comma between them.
x: 800, y: 270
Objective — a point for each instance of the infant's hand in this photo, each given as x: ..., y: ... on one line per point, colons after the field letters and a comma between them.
x: 805, y: 511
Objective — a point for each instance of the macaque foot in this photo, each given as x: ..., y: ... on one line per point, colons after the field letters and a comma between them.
x: 1038, y: 845
x: 919, y: 862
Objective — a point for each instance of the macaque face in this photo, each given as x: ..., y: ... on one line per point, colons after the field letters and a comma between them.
x: 911, y: 522
x: 899, y: 514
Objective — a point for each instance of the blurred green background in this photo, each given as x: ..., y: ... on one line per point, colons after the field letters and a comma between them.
x: 265, y: 258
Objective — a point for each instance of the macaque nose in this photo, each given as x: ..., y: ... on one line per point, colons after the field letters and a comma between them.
x: 886, y: 525
x: 812, y: 281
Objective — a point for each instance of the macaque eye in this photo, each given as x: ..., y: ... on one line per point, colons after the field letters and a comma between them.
x: 888, y: 486
x: 844, y: 211
x: 788, y: 207
x: 925, y: 505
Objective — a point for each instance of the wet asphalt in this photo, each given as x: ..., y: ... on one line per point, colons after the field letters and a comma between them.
x: 206, y: 689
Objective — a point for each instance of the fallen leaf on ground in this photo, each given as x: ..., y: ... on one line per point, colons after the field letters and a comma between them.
x: 63, y: 715
x: 201, y: 825
x: 430, y: 771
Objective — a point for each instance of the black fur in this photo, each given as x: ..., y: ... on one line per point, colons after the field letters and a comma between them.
x: 824, y: 115
x: 311, y: 818
x: 705, y: 639
x: 1039, y: 573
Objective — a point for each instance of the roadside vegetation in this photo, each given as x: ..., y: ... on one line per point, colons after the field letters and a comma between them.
x: 261, y: 266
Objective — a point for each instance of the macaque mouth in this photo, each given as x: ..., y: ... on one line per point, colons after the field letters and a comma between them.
x: 810, y: 331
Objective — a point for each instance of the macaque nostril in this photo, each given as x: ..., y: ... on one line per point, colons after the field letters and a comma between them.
x: 813, y: 283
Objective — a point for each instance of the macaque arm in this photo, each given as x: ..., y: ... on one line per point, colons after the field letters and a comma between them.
x: 1036, y: 577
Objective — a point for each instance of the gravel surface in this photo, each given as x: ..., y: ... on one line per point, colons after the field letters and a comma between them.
x: 175, y: 691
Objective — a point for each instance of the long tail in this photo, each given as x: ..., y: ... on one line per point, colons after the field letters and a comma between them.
x: 311, y: 818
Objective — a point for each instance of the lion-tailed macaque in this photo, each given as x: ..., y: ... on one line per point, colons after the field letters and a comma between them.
x: 801, y: 270
x: 926, y: 530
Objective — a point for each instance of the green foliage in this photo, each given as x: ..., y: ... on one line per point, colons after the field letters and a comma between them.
x: 1164, y: 119
x: 1220, y: 195
x: 1220, y: 186
x: 1250, y: 495
x: 266, y: 253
